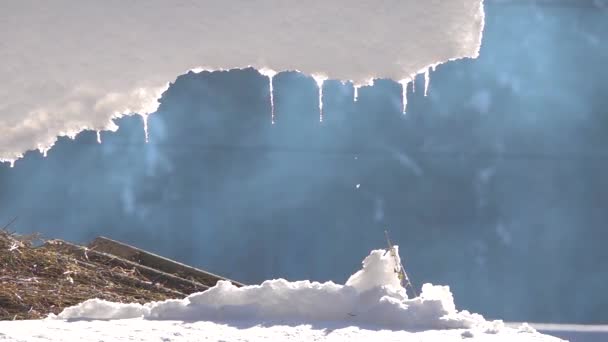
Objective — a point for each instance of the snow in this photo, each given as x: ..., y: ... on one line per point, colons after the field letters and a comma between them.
x: 373, y: 295
x: 371, y: 305
x: 145, y: 330
x: 69, y: 65
x: 570, y: 332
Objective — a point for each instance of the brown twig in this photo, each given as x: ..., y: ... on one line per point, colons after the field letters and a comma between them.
x: 5, y: 228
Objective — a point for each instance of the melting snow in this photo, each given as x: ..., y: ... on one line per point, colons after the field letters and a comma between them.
x: 372, y: 296
x: 93, y: 71
x: 371, y: 306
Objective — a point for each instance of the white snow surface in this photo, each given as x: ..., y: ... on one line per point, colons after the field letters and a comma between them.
x: 138, y: 329
x: 372, y: 296
x: 70, y: 65
x: 371, y: 306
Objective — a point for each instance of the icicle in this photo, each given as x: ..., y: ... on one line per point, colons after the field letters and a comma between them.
x: 44, y: 150
x: 271, y: 86
x: 413, y: 84
x: 270, y: 74
x: 357, y: 86
x: 320, y: 79
x: 427, y: 81
x: 99, y: 137
x: 12, y: 163
x: 404, y: 84
x: 145, y: 118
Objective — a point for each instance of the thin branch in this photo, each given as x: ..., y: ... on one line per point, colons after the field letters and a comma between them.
x: 5, y: 228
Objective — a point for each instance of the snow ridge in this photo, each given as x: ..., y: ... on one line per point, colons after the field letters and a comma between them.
x: 372, y: 296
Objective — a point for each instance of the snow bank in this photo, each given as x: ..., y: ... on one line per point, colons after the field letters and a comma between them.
x: 372, y: 296
x: 69, y: 65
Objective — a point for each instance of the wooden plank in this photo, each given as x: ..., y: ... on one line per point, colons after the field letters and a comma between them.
x: 134, y: 254
x: 168, y: 280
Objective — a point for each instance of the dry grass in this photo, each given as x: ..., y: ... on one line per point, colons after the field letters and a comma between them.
x: 36, y: 281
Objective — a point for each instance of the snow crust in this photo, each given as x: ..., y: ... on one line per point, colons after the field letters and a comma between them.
x: 69, y: 65
x: 372, y: 296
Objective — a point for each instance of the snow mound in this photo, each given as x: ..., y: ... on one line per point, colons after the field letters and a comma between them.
x: 372, y: 296
x: 71, y: 65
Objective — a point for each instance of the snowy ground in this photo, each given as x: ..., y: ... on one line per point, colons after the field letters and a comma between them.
x: 146, y: 330
x: 573, y: 332
x: 371, y: 306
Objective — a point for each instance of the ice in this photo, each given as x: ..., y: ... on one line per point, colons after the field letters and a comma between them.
x: 427, y: 81
x: 100, y: 71
x: 98, y: 137
x: 357, y: 86
x: 427, y: 77
x: 320, y: 79
x: 404, y: 84
x: 270, y: 74
x: 145, y: 119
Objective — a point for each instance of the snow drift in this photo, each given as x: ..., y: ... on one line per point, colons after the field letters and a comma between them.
x: 372, y: 296
x: 69, y: 65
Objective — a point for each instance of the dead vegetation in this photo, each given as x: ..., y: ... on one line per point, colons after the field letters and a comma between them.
x: 36, y: 281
